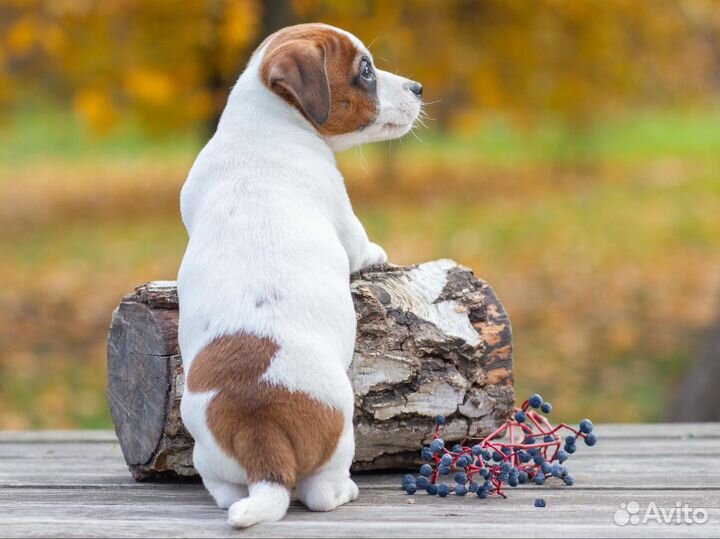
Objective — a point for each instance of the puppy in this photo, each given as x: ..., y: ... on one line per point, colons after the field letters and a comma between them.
x: 267, y: 325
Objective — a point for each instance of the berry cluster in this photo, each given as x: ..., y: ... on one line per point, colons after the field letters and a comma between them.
x: 526, y: 448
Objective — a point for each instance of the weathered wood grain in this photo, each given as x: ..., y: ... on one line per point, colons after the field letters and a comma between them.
x: 65, y: 487
x: 636, y: 431
x: 431, y: 339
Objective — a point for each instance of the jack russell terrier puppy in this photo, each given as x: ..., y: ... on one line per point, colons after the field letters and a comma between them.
x: 267, y: 325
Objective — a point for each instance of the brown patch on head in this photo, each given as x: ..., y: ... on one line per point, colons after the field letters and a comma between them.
x: 317, y: 70
x: 275, y: 434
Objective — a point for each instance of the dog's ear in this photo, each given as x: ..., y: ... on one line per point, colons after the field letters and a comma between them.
x: 296, y: 71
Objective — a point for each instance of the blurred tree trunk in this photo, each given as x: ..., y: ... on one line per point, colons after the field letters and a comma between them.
x: 698, y: 398
x: 275, y: 15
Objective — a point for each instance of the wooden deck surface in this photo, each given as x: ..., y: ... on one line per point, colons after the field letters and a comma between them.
x: 75, y: 484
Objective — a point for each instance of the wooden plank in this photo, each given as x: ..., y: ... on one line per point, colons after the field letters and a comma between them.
x: 590, y: 471
x: 690, y: 447
x: 77, y: 485
x: 373, y: 515
x: 638, y: 432
x: 539, y: 527
x: 57, y: 436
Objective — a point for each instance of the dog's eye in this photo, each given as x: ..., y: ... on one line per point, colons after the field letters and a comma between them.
x: 366, y: 70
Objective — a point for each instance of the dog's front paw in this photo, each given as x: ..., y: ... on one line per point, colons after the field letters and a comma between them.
x: 375, y: 255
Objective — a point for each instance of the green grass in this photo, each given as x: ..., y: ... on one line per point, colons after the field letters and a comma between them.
x: 53, y: 133
x: 642, y: 135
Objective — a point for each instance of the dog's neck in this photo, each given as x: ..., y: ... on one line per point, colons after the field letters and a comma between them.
x: 253, y: 110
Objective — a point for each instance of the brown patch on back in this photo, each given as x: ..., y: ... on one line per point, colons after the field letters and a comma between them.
x: 314, y: 68
x: 275, y: 434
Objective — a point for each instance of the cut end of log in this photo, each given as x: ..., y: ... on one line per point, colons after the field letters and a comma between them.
x: 431, y: 339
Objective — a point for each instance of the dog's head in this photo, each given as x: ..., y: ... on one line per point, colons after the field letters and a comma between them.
x: 330, y: 77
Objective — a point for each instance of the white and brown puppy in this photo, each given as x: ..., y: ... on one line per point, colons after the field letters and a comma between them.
x: 267, y: 325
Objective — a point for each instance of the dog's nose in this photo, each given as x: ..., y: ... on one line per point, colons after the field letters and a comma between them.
x: 416, y: 88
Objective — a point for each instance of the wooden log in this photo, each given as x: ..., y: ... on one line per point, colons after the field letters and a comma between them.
x: 431, y: 339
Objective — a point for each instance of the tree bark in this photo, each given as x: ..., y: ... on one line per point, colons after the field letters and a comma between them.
x: 698, y: 398
x: 431, y: 339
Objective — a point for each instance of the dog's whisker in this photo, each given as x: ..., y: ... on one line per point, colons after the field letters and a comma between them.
x: 424, y: 115
x: 363, y: 161
x: 412, y: 132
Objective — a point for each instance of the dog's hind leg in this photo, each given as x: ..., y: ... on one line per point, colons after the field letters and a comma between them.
x: 331, y: 486
x: 224, y: 493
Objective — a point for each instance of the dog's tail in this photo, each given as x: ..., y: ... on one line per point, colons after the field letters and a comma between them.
x: 267, y: 502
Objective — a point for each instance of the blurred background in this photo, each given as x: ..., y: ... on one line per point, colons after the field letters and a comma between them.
x: 572, y: 160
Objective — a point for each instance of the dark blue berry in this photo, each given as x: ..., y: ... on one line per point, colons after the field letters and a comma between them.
x: 586, y: 426
x: 426, y: 453
x: 439, y: 419
x: 590, y: 439
x: 523, y: 456
x: 487, y: 485
x: 546, y: 408
x: 497, y: 457
x: 462, y: 462
x: 569, y: 480
x: 446, y: 459
x: 540, y: 502
x: 520, y: 416
x: 529, y: 440
x: 570, y: 440
x: 432, y: 489
x: 548, y: 438
x: 505, y: 467
x: 562, y: 456
x: 437, y: 445
x: 522, y: 476
x: 473, y: 487
x: 503, y: 477
x: 514, y: 472
x: 411, y: 488
x: 482, y: 493
x: 408, y: 479
x: 513, y: 481
x: 444, y: 470
x: 485, y: 473
x: 539, y: 478
x: 426, y: 470
x: 443, y: 490
x: 546, y: 467
x: 461, y: 478
x: 533, y: 451
x: 570, y: 449
x: 556, y: 470
x: 538, y: 459
x: 460, y: 490
x: 535, y: 401
x: 507, y: 450
x: 457, y: 448
x: 486, y: 455
x: 422, y: 482
x: 477, y: 450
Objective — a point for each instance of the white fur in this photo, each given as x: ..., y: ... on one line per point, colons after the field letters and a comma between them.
x: 273, y: 240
